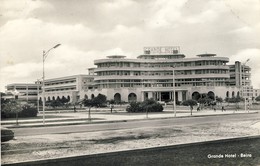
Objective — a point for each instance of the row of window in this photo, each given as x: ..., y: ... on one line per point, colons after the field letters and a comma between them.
x: 150, y: 73
x: 60, y: 89
x: 59, y: 83
x: 163, y: 81
x: 22, y: 88
x: 159, y: 65
x: 136, y: 85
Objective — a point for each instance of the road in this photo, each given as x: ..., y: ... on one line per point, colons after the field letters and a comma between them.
x: 134, y: 124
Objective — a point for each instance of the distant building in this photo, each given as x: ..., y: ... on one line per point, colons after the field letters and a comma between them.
x: 70, y: 87
x: 240, y: 76
x: 22, y: 91
x: 256, y: 93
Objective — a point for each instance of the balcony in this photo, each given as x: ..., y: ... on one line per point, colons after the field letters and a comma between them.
x: 160, y: 77
x: 149, y: 68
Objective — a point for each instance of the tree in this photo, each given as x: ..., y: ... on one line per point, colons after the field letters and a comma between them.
x: 100, y: 100
x: 235, y: 100
x: 151, y: 105
x: 89, y: 103
x: 190, y: 103
x: 219, y: 99
x: 64, y: 101
x: 55, y: 103
x: 12, y: 106
x: 205, y: 100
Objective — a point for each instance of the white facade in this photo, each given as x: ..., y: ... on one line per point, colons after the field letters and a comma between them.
x: 151, y: 76
x: 70, y: 87
x: 22, y: 91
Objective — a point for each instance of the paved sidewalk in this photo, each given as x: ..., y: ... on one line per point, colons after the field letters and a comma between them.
x: 104, y: 116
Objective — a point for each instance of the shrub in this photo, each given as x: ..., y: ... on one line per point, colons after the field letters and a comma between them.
x: 24, y: 111
x: 134, y: 107
x: 189, y: 103
x: 149, y: 105
x: 28, y: 111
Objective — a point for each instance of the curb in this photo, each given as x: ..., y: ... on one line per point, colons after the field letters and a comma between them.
x: 79, y: 158
x: 118, y: 121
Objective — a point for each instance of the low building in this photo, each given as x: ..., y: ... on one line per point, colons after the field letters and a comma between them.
x: 22, y: 91
x: 69, y: 87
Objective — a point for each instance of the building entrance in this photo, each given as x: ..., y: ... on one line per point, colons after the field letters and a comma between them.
x: 165, y: 96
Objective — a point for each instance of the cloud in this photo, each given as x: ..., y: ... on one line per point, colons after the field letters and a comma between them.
x: 204, y: 17
x: 245, y: 11
x: 18, y: 9
x: 27, y: 42
x: 165, y: 13
x: 90, y: 30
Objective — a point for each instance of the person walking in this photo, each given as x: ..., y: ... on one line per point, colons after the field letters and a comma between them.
x: 74, y: 108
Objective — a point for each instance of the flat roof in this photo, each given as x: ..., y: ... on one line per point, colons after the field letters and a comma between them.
x: 206, y: 55
x: 116, y: 56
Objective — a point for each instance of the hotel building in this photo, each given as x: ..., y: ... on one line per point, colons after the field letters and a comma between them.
x: 150, y: 75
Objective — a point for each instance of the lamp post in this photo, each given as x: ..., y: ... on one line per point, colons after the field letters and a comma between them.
x: 174, y: 97
x: 244, y: 80
x: 44, y: 56
x: 38, y: 104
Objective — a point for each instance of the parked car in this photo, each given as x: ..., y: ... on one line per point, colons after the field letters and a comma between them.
x: 6, y: 134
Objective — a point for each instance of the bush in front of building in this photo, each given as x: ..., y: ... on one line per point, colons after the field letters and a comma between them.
x: 28, y: 111
x: 134, y: 107
x: 11, y: 108
x: 149, y: 105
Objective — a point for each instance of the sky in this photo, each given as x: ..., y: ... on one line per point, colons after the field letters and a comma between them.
x: 89, y: 30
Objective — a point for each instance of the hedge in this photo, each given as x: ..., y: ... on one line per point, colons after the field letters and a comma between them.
x: 149, y: 105
x: 27, y: 111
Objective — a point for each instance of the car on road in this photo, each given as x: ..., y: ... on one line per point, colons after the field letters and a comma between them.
x: 6, y: 134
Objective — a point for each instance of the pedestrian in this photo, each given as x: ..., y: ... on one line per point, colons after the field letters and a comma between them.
x: 74, y: 108
x: 223, y: 108
x: 111, y: 107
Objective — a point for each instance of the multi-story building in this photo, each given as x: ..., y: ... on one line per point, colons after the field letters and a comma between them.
x: 151, y: 76
x: 70, y: 87
x: 22, y: 91
x: 240, y: 76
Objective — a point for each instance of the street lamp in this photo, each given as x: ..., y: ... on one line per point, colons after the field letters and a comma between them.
x: 38, y: 104
x: 174, y: 97
x: 44, y: 56
x: 244, y: 80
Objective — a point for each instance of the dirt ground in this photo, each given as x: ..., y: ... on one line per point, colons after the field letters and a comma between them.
x: 37, y: 147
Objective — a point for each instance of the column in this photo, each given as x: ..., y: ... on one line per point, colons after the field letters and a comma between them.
x: 180, y: 98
